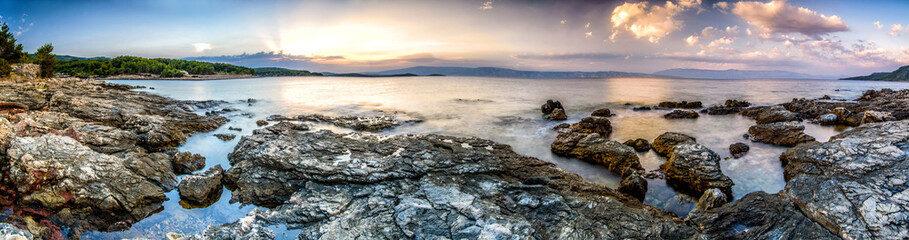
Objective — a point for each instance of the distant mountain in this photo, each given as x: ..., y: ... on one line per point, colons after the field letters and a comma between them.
x: 505, y: 72
x: 330, y: 74
x: 738, y: 74
x: 901, y: 74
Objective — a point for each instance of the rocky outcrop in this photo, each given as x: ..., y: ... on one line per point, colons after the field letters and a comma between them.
x: 712, y: 198
x: 602, y: 112
x: 738, y: 149
x: 550, y: 106
x: 640, y: 144
x: 261, y: 123
x: 666, y: 142
x: 771, y: 114
x: 225, y: 137
x: 633, y: 184
x: 27, y: 70
x: 758, y: 215
x: 202, y: 189
x: 682, y: 104
x: 557, y: 114
x: 369, y: 122
x: 855, y: 184
x: 187, y: 162
x: 729, y: 107
x: 363, y: 185
x: 694, y: 168
x: 682, y: 114
x: 10, y: 232
x: 587, y: 140
x: 787, y: 134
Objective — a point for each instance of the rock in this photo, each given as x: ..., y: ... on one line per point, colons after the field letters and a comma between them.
x: 642, y: 108
x: 732, y: 103
x: 602, y: 112
x: 550, y: 106
x: 595, y: 148
x: 365, y: 185
x: 787, y: 134
x: 828, y: 119
x: 261, y: 123
x: 10, y: 232
x: 283, y: 127
x: 757, y: 215
x: 225, y: 137
x: 712, y: 198
x: 155, y: 167
x: 666, y: 142
x: 379, y: 122
x: 557, y: 114
x: 738, y: 149
x: 682, y: 104
x: 694, y: 168
x: 855, y: 184
x: 680, y: 114
x: 187, y: 162
x: 235, y: 129
x: 204, y: 188
x: 633, y: 184
x: 561, y: 127
x: 640, y: 144
x: 729, y: 107
x: 11, y: 108
x: 27, y: 70
x: 771, y: 114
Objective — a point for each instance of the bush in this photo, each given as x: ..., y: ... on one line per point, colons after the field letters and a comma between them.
x: 5, y: 68
x: 46, y: 60
x: 170, y: 72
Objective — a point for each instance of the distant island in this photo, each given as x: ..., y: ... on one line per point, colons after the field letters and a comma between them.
x: 281, y: 72
x: 901, y: 74
x: 129, y: 67
x: 737, y: 74
x: 506, y: 73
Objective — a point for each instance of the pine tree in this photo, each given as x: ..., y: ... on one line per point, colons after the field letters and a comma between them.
x: 47, y: 60
x: 9, y: 50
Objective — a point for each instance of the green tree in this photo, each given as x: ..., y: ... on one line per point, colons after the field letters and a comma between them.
x: 46, y: 60
x: 5, y: 68
x: 9, y: 50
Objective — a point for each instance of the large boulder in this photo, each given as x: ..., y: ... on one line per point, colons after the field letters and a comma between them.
x: 633, y: 184
x: 694, y: 168
x: 771, y: 114
x: 758, y: 215
x: 712, y: 198
x: 587, y: 140
x: 204, y: 188
x: 855, y: 184
x: 187, y: 162
x: 557, y: 114
x: 666, y: 142
x: 738, y: 149
x: 681, y: 114
x: 363, y: 185
x: 640, y: 144
x: 550, y: 106
x: 682, y: 104
x: 788, y: 134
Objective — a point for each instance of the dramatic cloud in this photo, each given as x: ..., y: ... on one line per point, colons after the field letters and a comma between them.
x: 711, y: 32
x: 648, y: 22
x: 201, y: 47
x: 692, y: 40
x: 778, y: 17
x: 722, y: 6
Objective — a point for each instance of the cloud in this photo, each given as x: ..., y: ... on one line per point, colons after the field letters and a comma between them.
x: 895, y: 29
x: 711, y: 32
x: 691, y: 40
x: 878, y: 25
x: 648, y: 22
x: 722, y: 6
x: 201, y: 47
x: 777, y: 17
x: 720, y: 42
x: 563, y: 21
x: 487, y: 5
x: 571, y: 56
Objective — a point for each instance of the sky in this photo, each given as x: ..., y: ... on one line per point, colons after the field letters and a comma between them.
x: 809, y: 36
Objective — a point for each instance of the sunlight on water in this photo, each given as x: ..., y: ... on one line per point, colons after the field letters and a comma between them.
x: 502, y: 110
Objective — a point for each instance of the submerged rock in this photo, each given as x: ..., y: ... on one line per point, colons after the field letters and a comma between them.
x: 557, y: 114
x: 633, y: 184
x: 666, y: 142
x: 681, y: 114
x: 602, y: 112
x: 362, y: 185
x: 694, y: 168
x: 758, y: 215
x: 261, y: 123
x: 204, y: 188
x: 712, y: 198
x: 640, y: 144
x: 738, y: 149
x: 550, y: 106
x: 682, y: 104
x: 225, y: 137
x: 855, y: 184
x: 787, y: 134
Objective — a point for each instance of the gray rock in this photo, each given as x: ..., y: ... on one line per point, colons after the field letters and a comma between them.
x: 10, y: 232
x: 738, y: 149
x: 583, y: 140
x: 666, y: 142
x: 633, y: 184
x: 204, y: 188
x: 155, y: 167
x: 682, y: 114
x: 373, y: 122
x: 187, y: 162
x: 771, y: 114
x: 557, y: 114
x: 757, y: 215
x: 788, y: 134
x: 550, y: 106
x: 855, y: 184
x: 694, y: 168
x: 640, y: 144
x: 827, y: 119
x: 711, y: 199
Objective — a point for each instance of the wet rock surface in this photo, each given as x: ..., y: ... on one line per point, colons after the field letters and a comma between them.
x: 633, y: 184
x: 771, y: 114
x: 377, y: 121
x: 557, y: 114
x: 550, y: 106
x: 787, y: 134
x: 682, y: 104
x: 855, y: 184
x: 738, y: 149
x: 729, y: 107
x: 640, y: 144
x: 758, y: 215
x: 588, y: 140
x: 694, y: 168
x: 682, y: 114
x: 712, y: 198
x: 602, y: 112
x: 204, y: 188
x: 363, y: 185
x: 666, y: 142
x: 225, y: 137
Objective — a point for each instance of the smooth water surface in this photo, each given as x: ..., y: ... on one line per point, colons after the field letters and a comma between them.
x: 503, y: 110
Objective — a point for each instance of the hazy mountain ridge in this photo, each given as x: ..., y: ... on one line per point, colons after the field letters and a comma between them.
x: 901, y: 74
x: 738, y: 74
x: 505, y: 72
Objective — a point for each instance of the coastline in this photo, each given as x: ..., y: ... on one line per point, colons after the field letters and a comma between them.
x: 189, y: 78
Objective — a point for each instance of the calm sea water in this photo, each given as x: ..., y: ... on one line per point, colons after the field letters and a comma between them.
x: 502, y: 110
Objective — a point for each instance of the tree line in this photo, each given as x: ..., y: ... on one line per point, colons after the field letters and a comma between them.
x: 12, y: 53
x: 136, y: 65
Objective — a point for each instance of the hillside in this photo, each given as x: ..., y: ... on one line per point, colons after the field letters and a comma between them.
x: 901, y: 74
x: 737, y: 74
x: 137, y: 67
x: 505, y: 72
x: 280, y: 72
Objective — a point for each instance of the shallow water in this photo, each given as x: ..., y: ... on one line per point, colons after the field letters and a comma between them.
x: 503, y: 110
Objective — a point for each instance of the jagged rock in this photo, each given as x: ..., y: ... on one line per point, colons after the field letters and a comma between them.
x: 27, y: 70
x: 283, y: 127
x: 557, y: 114
x: 738, y: 149
x: 249, y: 227
x: 568, y: 137
x: 11, y: 108
x: 682, y: 104
x: 235, y: 129
x: 364, y: 185
x: 758, y: 215
x: 378, y: 122
x: 225, y: 137
x: 10, y: 232
x: 204, y: 188
x: 786, y: 134
x: 640, y: 144
x: 681, y: 114
x: 602, y: 112
x: 666, y: 142
x: 771, y: 114
x: 187, y: 162
x: 155, y: 167
x: 261, y: 123
x: 633, y: 184
x: 550, y: 106
x: 613, y: 155
x: 712, y: 198
x: 827, y: 119
x: 729, y: 107
x: 736, y: 103
x: 694, y: 168
x: 561, y: 127
x: 855, y: 184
